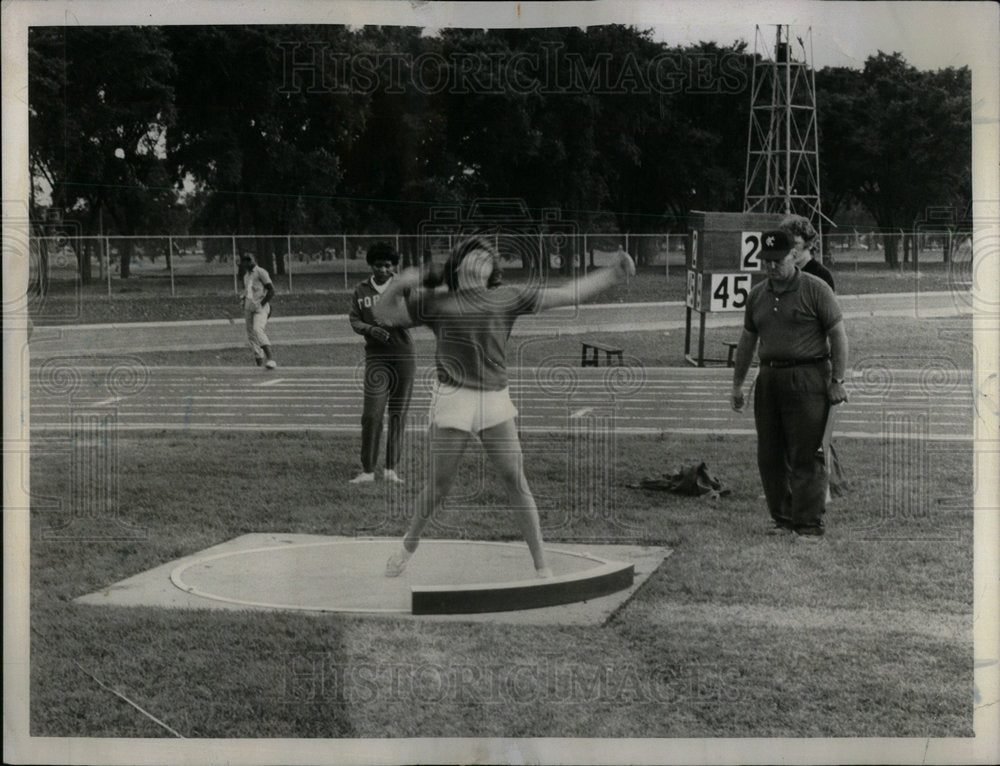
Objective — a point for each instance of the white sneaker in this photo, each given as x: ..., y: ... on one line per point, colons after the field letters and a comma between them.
x: 544, y: 573
x: 390, y: 475
x: 397, y: 563
x: 363, y: 478
x: 270, y: 364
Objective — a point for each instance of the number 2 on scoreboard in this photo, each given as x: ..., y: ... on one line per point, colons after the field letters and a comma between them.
x: 749, y: 257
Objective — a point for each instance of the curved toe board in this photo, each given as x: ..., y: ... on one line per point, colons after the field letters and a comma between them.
x: 504, y: 597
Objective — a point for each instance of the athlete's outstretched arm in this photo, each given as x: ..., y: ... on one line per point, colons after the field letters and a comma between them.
x: 584, y: 287
x: 391, y: 307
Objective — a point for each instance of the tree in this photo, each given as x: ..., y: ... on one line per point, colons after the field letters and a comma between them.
x: 264, y: 155
x: 840, y: 109
x: 615, y: 129
x: 896, y: 139
x: 699, y: 162
x: 100, y: 102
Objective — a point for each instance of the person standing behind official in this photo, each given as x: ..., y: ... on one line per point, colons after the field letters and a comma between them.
x: 801, y: 234
x: 258, y: 290
x: 389, y: 368
x: 803, y: 357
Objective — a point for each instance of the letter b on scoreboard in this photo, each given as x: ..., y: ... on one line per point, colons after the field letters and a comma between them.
x: 723, y: 259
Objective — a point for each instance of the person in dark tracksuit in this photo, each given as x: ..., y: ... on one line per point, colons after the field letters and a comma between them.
x: 389, y: 368
x: 803, y: 356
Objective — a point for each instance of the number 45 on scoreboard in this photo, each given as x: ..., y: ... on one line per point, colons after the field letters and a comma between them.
x: 729, y: 292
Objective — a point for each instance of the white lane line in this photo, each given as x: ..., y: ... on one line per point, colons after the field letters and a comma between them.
x: 913, y: 390
x: 530, y: 409
x: 532, y: 398
x: 315, y: 370
x: 637, y: 431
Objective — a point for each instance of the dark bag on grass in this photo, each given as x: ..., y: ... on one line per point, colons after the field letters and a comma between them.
x: 693, y: 480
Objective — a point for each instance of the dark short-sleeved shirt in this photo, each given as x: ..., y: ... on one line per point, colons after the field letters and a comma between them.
x: 792, y: 323
x: 817, y: 269
x: 472, y: 328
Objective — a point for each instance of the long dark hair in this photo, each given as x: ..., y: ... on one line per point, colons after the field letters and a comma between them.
x: 448, y: 273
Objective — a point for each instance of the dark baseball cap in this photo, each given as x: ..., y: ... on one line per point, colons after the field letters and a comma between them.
x: 774, y: 245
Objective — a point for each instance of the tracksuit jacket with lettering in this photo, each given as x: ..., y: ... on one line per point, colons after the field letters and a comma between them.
x: 362, y: 321
x: 389, y: 373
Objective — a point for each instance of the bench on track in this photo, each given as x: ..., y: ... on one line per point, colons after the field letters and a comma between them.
x: 731, y: 355
x: 592, y: 353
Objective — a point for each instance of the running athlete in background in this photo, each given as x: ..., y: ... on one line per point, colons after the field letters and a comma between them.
x: 258, y: 291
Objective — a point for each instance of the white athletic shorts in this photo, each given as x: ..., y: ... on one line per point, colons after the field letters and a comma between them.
x: 467, y: 409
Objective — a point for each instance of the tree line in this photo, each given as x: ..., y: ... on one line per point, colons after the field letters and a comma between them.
x: 268, y: 130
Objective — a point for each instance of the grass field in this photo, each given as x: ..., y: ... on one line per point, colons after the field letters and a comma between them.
x: 736, y: 634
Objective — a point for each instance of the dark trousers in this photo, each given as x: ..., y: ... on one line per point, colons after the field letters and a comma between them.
x: 790, y: 411
x: 388, y: 385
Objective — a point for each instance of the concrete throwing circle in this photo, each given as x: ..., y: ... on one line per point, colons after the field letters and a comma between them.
x: 349, y: 575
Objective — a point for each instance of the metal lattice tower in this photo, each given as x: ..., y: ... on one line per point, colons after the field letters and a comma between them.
x: 782, y: 173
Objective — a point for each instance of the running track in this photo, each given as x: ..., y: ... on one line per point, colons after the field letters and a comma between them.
x: 930, y: 403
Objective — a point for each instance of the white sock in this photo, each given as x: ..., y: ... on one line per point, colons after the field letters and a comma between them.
x: 405, y: 553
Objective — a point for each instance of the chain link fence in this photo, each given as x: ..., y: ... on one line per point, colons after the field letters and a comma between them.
x: 851, y: 249
x: 196, y: 265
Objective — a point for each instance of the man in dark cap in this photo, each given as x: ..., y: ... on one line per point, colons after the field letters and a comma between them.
x: 803, y: 356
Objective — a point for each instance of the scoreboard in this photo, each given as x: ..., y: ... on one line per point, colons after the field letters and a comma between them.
x: 722, y: 259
